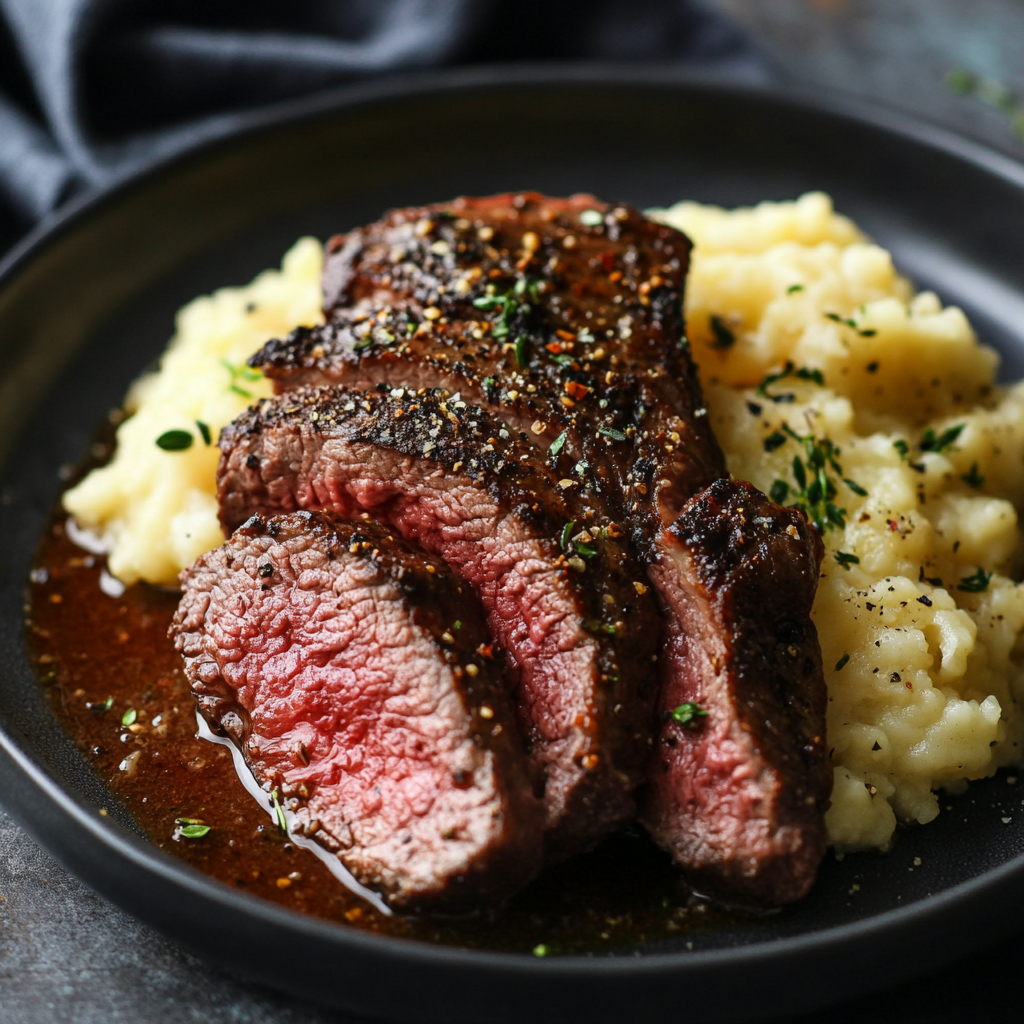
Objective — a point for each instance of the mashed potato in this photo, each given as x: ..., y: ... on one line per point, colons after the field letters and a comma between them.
x: 891, y: 397
x: 156, y: 510
x: 820, y: 364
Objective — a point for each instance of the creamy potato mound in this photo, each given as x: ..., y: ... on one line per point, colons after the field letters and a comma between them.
x: 917, y: 610
x: 156, y: 510
x: 882, y: 393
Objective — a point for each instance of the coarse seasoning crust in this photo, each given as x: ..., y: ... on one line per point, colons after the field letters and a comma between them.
x: 561, y: 316
x: 448, y: 475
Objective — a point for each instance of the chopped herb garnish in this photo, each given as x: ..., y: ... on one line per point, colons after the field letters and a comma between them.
x: 845, y: 559
x: 841, y: 663
x: 101, y: 706
x: 204, y: 432
x: 852, y: 324
x: 188, y: 821
x: 558, y: 443
x: 902, y: 447
x: 688, y: 714
x: 855, y: 487
x: 457, y: 624
x: 976, y: 584
x: 193, y: 831
x: 932, y: 442
x: 365, y: 343
x: 174, y: 440
x: 563, y: 541
x: 815, y: 489
x: 591, y: 218
x: 991, y: 92
x: 562, y: 360
x: 521, y: 351
x: 282, y: 821
x: 540, y: 950
x: 615, y: 435
x: 973, y: 478
x: 238, y: 373
x: 794, y: 288
x: 724, y: 338
x: 776, y: 439
x: 489, y: 382
x: 790, y: 371
x: 129, y: 717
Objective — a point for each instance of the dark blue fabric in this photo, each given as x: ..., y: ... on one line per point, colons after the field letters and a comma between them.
x: 89, y: 88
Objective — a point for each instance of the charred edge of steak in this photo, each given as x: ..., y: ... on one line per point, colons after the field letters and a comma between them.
x: 475, y: 834
x: 739, y: 796
x: 441, y: 439
x: 486, y: 297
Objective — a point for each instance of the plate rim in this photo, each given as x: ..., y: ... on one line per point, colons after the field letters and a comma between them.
x: 397, y: 89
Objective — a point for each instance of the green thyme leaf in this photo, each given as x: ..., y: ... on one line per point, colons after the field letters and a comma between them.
x: 101, y: 706
x: 204, y: 432
x: 961, y: 81
x: 973, y: 478
x: 794, y: 288
x: 615, y: 435
x: 129, y: 717
x: 457, y: 624
x: 174, y: 440
x: 194, y: 831
x: 282, y: 821
x: 521, y: 351
x: 188, y: 821
x: 852, y: 324
x: 540, y: 949
x: 789, y: 371
x: 688, y: 715
x: 902, y: 447
x: 845, y: 559
x: 975, y: 584
x: 558, y: 443
x: 724, y: 338
x: 932, y: 442
x: 774, y: 440
x: 563, y: 541
x: 841, y: 663
x: 856, y: 488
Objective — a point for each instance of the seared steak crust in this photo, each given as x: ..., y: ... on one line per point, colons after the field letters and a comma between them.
x: 355, y: 675
x: 562, y: 316
x: 739, y: 796
x: 564, y: 596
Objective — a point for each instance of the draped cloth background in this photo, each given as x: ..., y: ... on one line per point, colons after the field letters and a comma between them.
x: 91, y: 88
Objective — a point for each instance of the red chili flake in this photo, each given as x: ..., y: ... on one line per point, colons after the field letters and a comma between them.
x: 607, y: 259
x: 580, y: 289
x: 615, y: 277
x: 565, y: 336
x: 576, y: 390
x: 893, y: 525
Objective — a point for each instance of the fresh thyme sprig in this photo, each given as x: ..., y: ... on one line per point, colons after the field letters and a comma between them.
x: 815, y: 490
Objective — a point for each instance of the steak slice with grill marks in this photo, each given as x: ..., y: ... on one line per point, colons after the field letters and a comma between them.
x: 564, y: 597
x: 348, y: 668
x: 738, y: 789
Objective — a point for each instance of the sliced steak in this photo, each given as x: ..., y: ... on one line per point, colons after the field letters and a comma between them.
x: 354, y: 674
x: 565, y: 598
x: 562, y: 316
x: 740, y: 780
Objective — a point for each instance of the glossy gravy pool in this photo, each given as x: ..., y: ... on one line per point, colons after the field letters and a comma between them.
x: 116, y: 684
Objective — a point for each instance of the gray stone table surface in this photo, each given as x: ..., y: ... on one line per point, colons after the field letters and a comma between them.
x: 66, y: 955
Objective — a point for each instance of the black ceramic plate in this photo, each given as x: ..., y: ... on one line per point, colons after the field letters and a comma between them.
x: 88, y: 302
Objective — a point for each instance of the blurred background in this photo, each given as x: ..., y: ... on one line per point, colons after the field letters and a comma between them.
x: 90, y: 89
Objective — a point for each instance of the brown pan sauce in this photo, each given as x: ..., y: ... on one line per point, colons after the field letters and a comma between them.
x: 100, y: 658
